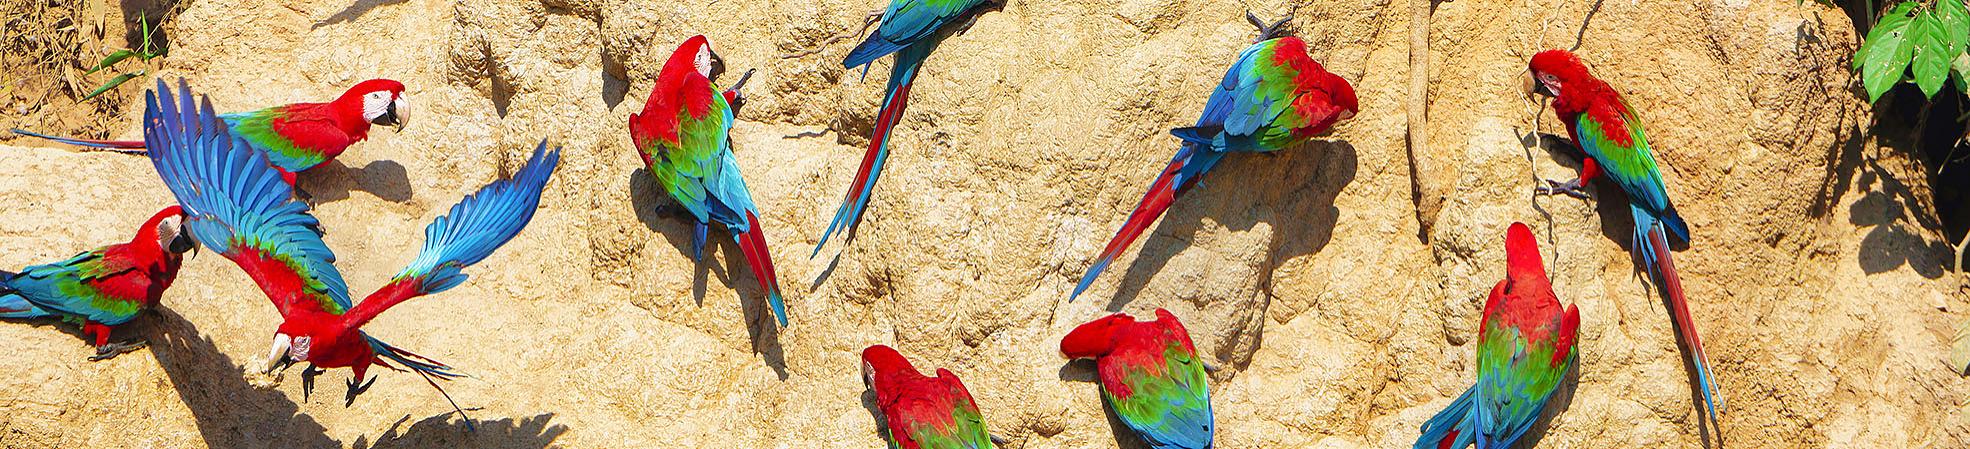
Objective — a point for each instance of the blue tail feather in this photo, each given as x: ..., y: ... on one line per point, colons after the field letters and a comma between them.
x: 871, y: 49
x: 1459, y: 418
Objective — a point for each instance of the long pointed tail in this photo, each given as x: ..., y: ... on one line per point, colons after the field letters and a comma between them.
x: 1154, y: 202
x: 1658, y: 258
x: 117, y: 146
x: 753, y: 244
x: 1453, y: 428
x: 897, y: 97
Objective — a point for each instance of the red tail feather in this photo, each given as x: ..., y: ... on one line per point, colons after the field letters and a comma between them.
x: 1679, y: 310
x: 885, y: 119
x: 1154, y: 203
x: 753, y: 244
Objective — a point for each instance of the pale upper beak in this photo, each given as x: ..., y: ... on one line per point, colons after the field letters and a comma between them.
x: 401, y: 109
x: 277, y: 357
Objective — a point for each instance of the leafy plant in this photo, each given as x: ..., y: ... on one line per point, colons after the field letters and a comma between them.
x: 1928, y: 42
x: 145, y: 51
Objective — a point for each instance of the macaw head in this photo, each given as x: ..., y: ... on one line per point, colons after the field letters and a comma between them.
x: 696, y: 51
x: 383, y: 102
x: 881, y: 361
x: 1552, y: 69
x: 1342, y: 94
x: 1094, y: 338
x: 1522, y: 258
x: 287, y: 350
x: 167, y: 227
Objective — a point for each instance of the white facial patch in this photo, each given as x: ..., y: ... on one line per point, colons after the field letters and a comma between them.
x: 300, y: 350
x: 375, y: 104
x: 167, y: 230
x: 703, y: 61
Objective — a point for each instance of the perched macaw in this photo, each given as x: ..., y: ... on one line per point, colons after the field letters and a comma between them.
x: 1525, y: 347
x: 236, y: 205
x: 105, y: 287
x: 922, y: 412
x: 1150, y: 375
x: 299, y: 136
x: 910, y: 29
x: 1275, y: 97
x: 1610, y: 133
x: 682, y: 137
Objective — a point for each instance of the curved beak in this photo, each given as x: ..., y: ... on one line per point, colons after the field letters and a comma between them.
x: 277, y: 359
x: 184, y: 242
x: 396, y: 115
x: 1531, y: 86
x: 717, y: 66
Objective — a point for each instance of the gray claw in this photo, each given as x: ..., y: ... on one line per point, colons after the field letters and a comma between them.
x: 1572, y: 188
x: 109, y: 351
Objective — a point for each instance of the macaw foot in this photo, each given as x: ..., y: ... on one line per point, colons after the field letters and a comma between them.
x: 356, y: 389
x: 998, y: 440
x: 1570, y: 188
x: 1210, y: 367
x: 308, y: 380
x: 109, y: 351
x: 1267, y: 32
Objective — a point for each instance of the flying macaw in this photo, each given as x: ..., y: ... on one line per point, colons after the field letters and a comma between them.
x: 1150, y: 375
x: 236, y: 205
x: 1275, y: 97
x: 1525, y: 347
x: 299, y: 136
x: 910, y: 29
x: 922, y: 412
x: 682, y: 137
x: 105, y: 287
x: 1610, y: 133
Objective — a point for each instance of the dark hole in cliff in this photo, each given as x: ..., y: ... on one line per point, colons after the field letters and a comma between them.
x: 1939, y: 138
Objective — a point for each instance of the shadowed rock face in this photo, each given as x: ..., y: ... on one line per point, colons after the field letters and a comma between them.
x: 1816, y: 274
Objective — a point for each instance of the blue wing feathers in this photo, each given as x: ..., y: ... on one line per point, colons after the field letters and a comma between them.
x: 1456, y: 418
x: 481, y: 223
x: 233, y: 195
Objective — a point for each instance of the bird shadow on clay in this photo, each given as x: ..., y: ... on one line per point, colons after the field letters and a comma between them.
x: 354, y: 11
x: 333, y: 181
x: 1083, y: 371
x: 229, y: 411
x: 664, y: 217
x: 441, y: 431
x: 1292, y: 190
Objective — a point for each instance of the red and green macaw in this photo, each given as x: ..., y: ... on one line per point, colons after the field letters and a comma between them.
x: 1275, y: 97
x: 910, y: 29
x: 1610, y: 133
x: 1150, y: 375
x: 105, y: 287
x: 299, y: 136
x: 236, y: 205
x: 1525, y: 347
x: 682, y: 136
x: 922, y: 412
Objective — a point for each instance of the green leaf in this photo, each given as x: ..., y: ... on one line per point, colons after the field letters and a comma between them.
x: 1932, y: 53
x: 1887, y: 51
x: 113, y: 82
x: 112, y: 59
x: 1956, y: 22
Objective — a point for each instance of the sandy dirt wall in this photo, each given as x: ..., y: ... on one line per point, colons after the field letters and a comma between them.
x: 1817, y: 277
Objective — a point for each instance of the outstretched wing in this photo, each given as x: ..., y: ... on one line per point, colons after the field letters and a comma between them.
x: 237, y: 203
x: 468, y: 234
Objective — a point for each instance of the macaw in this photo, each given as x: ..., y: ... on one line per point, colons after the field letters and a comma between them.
x: 299, y: 136
x: 910, y: 29
x: 922, y: 412
x: 105, y: 287
x: 1275, y: 97
x: 236, y: 205
x: 1610, y: 133
x: 1150, y: 375
x: 1525, y: 347
x: 682, y: 137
